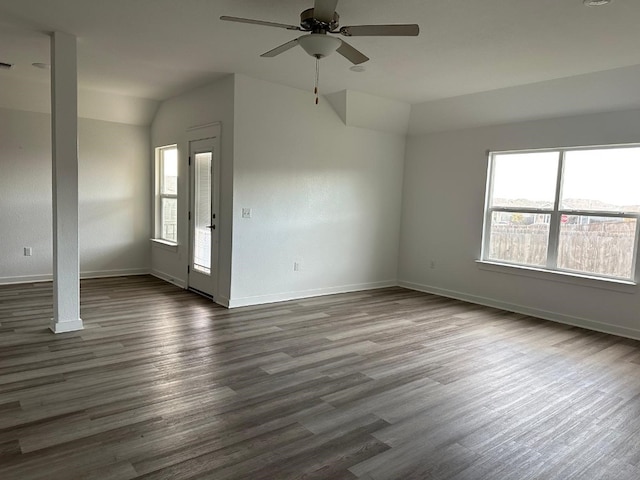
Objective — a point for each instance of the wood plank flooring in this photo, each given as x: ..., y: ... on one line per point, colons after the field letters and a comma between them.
x: 387, y: 384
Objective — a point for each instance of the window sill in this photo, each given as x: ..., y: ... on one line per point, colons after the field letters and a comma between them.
x: 164, y: 244
x: 622, y: 286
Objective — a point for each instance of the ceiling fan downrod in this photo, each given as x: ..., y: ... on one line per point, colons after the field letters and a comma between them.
x: 315, y: 90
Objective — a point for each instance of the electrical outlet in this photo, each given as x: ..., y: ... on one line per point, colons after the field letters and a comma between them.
x: 28, y: 251
x: 297, y: 266
x: 246, y: 213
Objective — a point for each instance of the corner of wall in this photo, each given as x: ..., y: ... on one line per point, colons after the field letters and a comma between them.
x: 363, y: 110
x: 338, y: 102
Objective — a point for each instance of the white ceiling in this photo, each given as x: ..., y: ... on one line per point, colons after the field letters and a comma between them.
x: 159, y: 48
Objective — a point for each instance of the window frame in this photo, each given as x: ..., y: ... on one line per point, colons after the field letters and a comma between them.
x: 161, y: 195
x: 556, y: 213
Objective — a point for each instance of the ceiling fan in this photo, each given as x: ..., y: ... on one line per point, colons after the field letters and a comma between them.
x: 322, y: 20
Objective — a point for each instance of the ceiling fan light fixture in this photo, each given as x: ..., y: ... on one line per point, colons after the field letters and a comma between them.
x: 319, y: 45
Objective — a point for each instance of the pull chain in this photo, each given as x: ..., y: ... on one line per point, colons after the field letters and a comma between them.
x: 315, y: 90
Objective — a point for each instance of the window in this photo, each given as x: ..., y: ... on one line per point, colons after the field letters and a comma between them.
x: 167, y: 193
x: 572, y: 210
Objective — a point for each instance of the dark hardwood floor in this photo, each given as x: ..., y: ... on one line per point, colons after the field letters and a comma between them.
x: 387, y: 384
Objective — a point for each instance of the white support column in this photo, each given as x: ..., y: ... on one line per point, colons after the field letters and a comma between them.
x: 64, y: 137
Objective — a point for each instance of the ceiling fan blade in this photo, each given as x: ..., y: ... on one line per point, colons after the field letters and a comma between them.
x: 259, y: 22
x: 282, y: 48
x: 406, y: 30
x: 354, y: 56
x: 323, y: 10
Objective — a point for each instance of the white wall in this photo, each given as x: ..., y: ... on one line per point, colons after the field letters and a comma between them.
x: 212, y: 103
x: 323, y: 194
x: 113, y: 197
x: 31, y: 96
x: 358, y: 109
x: 444, y: 187
x: 25, y: 195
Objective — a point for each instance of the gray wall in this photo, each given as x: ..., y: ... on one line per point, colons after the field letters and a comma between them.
x: 444, y: 188
x: 175, y: 117
x: 114, y: 197
x: 323, y: 194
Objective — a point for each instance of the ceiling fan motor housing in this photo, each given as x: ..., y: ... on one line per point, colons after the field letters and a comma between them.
x: 312, y: 24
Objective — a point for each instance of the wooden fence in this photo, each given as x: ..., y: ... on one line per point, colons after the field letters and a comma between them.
x: 603, y: 248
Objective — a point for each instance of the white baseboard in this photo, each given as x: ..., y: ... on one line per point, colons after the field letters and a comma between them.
x: 534, y: 312
x: 48, y: 277
x: 115, y: 273
x: 26, y: 279
x: 283, y: 297
x: 178, y: 282
x: 222, y: 301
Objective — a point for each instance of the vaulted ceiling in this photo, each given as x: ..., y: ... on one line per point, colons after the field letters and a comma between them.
x: 159, y: 48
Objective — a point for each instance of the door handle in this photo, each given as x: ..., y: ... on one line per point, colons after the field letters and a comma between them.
x: 212, y: 227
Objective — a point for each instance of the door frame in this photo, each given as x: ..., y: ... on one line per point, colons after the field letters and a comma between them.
x: 206, y: 134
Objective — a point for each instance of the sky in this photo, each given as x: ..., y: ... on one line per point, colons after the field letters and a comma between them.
x: 607, y: 175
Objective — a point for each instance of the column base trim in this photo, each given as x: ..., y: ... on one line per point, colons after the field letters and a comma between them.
x: 66, y: 326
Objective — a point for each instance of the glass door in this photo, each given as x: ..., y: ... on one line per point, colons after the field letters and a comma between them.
x: 202, y: 217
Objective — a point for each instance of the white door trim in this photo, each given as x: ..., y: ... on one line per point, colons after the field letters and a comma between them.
x: 209, y: 132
